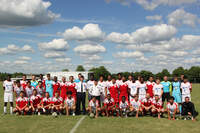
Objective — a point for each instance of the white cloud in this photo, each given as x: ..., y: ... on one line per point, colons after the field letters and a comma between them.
x: 181, y: 17
x: 91, y: 32
x: 94, y: 58
x: 20, y: 62
x: 155, y: 17
x: 25, y: 58
x: 55, y: 45
x: 89, y: 49
x: 13, y: 49
x: 146, y: 34
x: 152, y: 4
x: 20, y: 13
x: 63, y: 60
x: 128, y: 54
x: 179, y: 53
x: 54, y: 54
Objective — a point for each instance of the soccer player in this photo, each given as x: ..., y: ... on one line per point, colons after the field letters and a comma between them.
x: 40, y: 89
x: 135, y: 106
x: 71, y: 87
x: 79, y: 77
x: 34, y: 82
x: 56, y: 86
x: 8, y: 94
x: 57, y: 104
x: 49, y: 85
x: 157, y: 106
x: 166, y: 89
x: 90, y: 83
x: 158, y: 89
x: 176, y: 92
x: 103, y: 86
x: 113, y: 90
x: 189, y: 109
x: 186, y: 89
x: 142, y: 89
x: 108, y: 83
x: 70, y: 104
x: 93, y: 107
x: 133, y: 90
x: 46, y: 104
x: 146, y: 104
x: 96, y: 91
x: 29, y: 90
x: 150, y: 85
x: 23, y: 82
x: 21, y: 104
x: 119, y: 79
x: 123, y: 107
x: 109, y: 106
x: 123, y: 89
x: 35, y: 100
x: 42, y: 80
x: 63, y: 88
x: 130, y: 79
x: 172, y: 108
x: 18, y: 88
x: 81, y: 88
x: 138, y: 80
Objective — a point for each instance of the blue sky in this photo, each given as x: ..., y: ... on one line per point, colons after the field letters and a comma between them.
x: 132, y: 35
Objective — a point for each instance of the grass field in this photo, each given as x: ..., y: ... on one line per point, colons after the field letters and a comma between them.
x: 63, y: 124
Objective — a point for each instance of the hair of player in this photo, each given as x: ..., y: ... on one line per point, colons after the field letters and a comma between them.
x: 34, y: 90
x: 41, y: 74
x: 28, y: 82
x: 18, y: 81
x: 48, y: 74
x: 171, y: 98
x: 114, y: 78
x: 185, y: 77
x: 156, y: 96
x: 82, y: 76
x: 22, y: 92
x: 69, y: 93
x: 119, y: 74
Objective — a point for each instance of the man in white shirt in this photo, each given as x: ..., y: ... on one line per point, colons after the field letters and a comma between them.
x: 90, y: 83
x: 81, y: 88
x: 8, y: 87
x: 96, y: 90
x: 186, y: 89
x: 103, y: 86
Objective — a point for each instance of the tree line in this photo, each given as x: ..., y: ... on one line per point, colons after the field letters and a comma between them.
x: 192, y: 73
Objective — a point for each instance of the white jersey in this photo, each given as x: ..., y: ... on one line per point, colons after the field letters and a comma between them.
x: 29, y: 91
x: 103, y: 86
x: 129, y: 82
x: 137, y: 82
x: 123, y: 105
x: 172, y: 107
x: 94, y: 104
x: 142, y: 89
x: 96, y: 90
x: 157, y: 89
x: 136, y: 104
x: 18, y: 90
x: 185, y: 88
x: 133, y: 88
x: 119, y: 82
x: 69, y: 102
x: 9, y: 86
x: 90, y: 83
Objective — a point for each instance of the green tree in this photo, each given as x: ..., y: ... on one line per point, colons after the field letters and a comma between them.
x: 164, y: 72
x: 80, y: 68
x: 194, y: 74
x: 179, y: 71
x: 65, y: 70
x: 100, y: 71
x: 146, y: 74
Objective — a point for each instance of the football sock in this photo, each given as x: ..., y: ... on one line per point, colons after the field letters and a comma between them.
x: 5, y: 109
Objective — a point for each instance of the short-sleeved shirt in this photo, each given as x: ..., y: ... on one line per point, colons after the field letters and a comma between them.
x: 9, y: 86
x: 69, y: 101
x: 172, y: 107
x: 123, y: 105
x: 21, y: 102
x: 186, y: 88
x: 166, y: 86
x: 157, y: 89
x: 135, y: 104
x: 49, y: 85
x: 176, y: 87
x: 34, y: 83
x: 142, y: 89
x: 133, y: 88
x: 56, y: 101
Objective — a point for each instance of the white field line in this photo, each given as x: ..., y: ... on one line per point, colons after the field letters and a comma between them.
x: 77, y: 124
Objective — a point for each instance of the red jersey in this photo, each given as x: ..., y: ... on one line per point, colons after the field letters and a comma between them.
x: 109, y: 103
x: 123, y: 89
x: 157, y: 104
x: 71, y: 87
x: 46, y: 101
x: 113, y: 89
x: 21, y: 102
x: 56, y: 101
x: 56, y: 88
x: 147, y: 102
x: 35, y: 100
x: 63, y: 87
x: 150, y: 88
x: 23, y: 84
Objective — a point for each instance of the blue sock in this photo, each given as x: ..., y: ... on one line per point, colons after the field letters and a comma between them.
x: 180, y: 108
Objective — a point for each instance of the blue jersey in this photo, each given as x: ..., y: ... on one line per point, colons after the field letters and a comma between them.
x: 166, y: 86
x: 34, y: 83
x: 49, y: 87
x: 176, y: 88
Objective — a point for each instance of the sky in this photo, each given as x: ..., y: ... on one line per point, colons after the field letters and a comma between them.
x: 40, y: 36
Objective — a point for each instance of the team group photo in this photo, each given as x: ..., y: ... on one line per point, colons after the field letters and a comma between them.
x: 99, y: 66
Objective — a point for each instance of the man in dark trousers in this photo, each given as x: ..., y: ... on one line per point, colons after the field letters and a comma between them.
x: 188, y: 109
x: 81, y: 88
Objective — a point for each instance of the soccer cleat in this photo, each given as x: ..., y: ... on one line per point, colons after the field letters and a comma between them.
x: 73, y: 114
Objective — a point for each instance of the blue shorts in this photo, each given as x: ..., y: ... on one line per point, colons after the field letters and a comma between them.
x: 177, y: 97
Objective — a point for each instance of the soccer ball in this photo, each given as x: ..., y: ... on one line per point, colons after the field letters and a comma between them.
x: 55, y: 114
x: 91, y: 115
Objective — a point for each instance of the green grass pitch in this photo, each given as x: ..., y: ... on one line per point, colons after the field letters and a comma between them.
x: 63, y: 124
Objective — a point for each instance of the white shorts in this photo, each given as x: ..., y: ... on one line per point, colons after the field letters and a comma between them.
x: 142, y: 96
x: 184, y: 96
x: 8, y: 97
